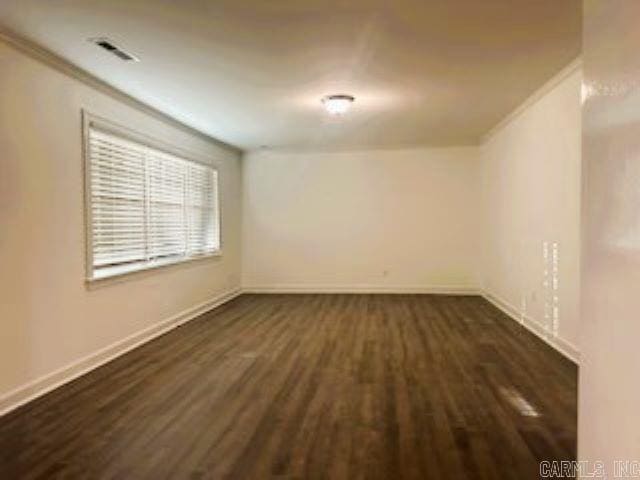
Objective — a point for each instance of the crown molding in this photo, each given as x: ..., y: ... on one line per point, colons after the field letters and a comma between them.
x: 533, y: 98
x: 47, y: 57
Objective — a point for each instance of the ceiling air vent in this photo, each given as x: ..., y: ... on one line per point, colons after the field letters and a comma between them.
x: 112, y: 48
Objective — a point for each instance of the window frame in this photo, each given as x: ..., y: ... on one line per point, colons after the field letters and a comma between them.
x: 90, y: 120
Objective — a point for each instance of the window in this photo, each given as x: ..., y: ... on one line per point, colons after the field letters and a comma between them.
x: 146, y: 207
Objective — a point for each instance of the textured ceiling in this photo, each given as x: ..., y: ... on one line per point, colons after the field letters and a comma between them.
x: 252, y: 72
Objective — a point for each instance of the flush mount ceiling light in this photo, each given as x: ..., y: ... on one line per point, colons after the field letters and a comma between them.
x: 337, y: 104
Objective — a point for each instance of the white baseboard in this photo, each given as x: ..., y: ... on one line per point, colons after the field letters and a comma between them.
x: 363, y: 288
x: 38, y: 387
x: 561, y: 345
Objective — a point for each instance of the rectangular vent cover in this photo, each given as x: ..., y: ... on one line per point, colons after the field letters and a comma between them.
x: 112, y: 48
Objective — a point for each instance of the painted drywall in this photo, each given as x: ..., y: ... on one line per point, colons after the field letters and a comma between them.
x: 50, y: 318
x: 252, y: 72
x: 609, y: 391
x: 402, y: 220
x: 531, y: 168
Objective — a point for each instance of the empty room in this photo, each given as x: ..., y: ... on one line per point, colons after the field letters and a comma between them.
x: 303, y: 239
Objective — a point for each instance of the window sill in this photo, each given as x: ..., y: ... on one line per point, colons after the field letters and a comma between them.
x: 122, y: 272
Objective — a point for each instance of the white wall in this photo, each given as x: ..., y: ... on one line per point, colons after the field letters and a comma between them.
x: 609, y: 391
x: 406, y: 220
x: 531, y: 195
x: 49, y: 318
x: 432, y: 219
x: 378, y: 220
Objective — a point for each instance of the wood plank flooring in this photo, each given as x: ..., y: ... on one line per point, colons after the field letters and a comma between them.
x: 310, y: 387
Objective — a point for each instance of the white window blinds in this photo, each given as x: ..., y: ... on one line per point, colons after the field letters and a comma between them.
x: 147, y: 207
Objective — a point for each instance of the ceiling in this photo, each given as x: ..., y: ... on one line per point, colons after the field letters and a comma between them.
x: 252, y: 72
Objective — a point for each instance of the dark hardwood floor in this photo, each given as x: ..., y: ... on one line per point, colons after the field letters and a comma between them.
x: 311, y: 386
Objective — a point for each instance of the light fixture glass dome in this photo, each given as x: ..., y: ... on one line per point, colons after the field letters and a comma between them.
x: 337, y: 104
